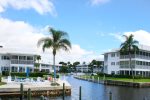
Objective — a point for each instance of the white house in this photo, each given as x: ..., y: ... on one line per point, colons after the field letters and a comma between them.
x: 14, y: 61
x: 114, y: 63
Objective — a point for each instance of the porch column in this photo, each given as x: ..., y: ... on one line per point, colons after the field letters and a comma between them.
x: 18, y: 69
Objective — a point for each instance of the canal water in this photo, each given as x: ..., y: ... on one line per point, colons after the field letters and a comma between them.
x: 94, y: 91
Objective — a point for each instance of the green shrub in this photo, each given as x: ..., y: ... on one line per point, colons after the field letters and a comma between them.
x: 138, y: 77
x: 33, y: 74
x: 21, y: 74
x: 5, y: 73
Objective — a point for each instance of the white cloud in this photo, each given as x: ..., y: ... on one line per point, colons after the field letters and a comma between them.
x: 117, y: 36
x: 97, y: 2
x: 40, y: 6
x: 141, y: 35
x: 23, y: 36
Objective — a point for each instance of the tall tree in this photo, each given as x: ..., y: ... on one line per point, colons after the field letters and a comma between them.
x: 57, y: 40
x: 75, y: 64
x: 129, y: 46
x: 37, y: 58
x: 91, y: 65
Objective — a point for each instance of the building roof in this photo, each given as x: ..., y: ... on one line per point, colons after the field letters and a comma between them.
x: 14, y: 51
x: 141, y: 47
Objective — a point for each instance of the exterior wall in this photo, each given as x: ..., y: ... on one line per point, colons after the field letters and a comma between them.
x: 119, y: 64
x: 95, y: 70
x: 82, y: 68
x: 111, y: 63
x: 46, y: 67
x: 16, y: 65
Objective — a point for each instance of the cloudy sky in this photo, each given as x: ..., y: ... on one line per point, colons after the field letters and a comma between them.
x: 94, y: 26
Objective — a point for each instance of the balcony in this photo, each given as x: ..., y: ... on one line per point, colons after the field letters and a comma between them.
x: 135, y: 56
x: 28, y: 62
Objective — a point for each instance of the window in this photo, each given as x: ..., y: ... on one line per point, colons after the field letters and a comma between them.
x: 144, y: 53
x: 113, y: 55
x: 141, y: 53
x: 146, y: 63
x: 29, y: 58
x: 22, y: 57
x: 140, y: 62
x: 14, y: 57
x: 112, y: 72
x: 112, y: 63
x: 5, y: 57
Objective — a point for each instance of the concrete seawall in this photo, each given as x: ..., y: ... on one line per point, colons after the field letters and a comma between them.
x: 37, y: 89
x: 118, y: 83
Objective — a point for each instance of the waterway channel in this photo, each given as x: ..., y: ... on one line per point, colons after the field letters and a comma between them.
x: 94, y: 91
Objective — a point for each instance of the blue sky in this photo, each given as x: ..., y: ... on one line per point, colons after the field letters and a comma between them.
x: 94, y: 25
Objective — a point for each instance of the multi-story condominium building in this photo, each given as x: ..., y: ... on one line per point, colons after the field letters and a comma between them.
x: 46, y: 67
x: 98, y: 68
x: 14, y: 61
x: 116, y: 63
x: 82, y: 68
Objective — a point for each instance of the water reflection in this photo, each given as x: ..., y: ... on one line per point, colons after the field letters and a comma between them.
x: 94, y: 91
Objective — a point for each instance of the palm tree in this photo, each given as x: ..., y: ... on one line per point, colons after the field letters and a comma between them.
x: 38, y: 58
x: 57, y: 40
x: 129, y: 47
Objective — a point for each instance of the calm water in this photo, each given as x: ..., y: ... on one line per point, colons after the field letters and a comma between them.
x: 94, y: 91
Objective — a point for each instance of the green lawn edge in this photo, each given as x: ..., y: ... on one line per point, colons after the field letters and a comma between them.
x: 116, y: 79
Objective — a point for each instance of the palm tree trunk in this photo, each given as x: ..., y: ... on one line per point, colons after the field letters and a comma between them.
x: 54, y: 66
x: 131, y: 65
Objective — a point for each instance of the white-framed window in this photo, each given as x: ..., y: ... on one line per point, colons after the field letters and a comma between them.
x: 5, y: 58
x: 113, y: 55
x: 112, y: 63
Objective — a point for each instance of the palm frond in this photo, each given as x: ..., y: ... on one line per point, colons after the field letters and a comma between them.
x: 43, y: 40
x: 65, y: 42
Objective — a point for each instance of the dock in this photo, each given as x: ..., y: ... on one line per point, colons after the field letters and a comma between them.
x: 12, y: 89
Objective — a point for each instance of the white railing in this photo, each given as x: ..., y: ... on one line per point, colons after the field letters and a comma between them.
x: 22, y: 62
x: 134, y: 56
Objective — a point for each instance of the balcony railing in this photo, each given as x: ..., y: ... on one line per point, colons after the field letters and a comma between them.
x: 136, y: 67
x: 134, y: 56
x: 28, y: 62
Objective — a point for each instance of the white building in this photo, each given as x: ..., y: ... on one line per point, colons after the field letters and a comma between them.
x: 45, y: 67
x: 114, y: 63
x: 82, y: 68
x: 14, y: 61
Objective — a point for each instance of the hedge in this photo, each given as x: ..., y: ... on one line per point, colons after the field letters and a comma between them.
x: 33, y: 74
x: 122, y: 76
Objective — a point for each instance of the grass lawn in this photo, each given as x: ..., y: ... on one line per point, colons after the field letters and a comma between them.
x: 2, y: 83
x: 116, y: 79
